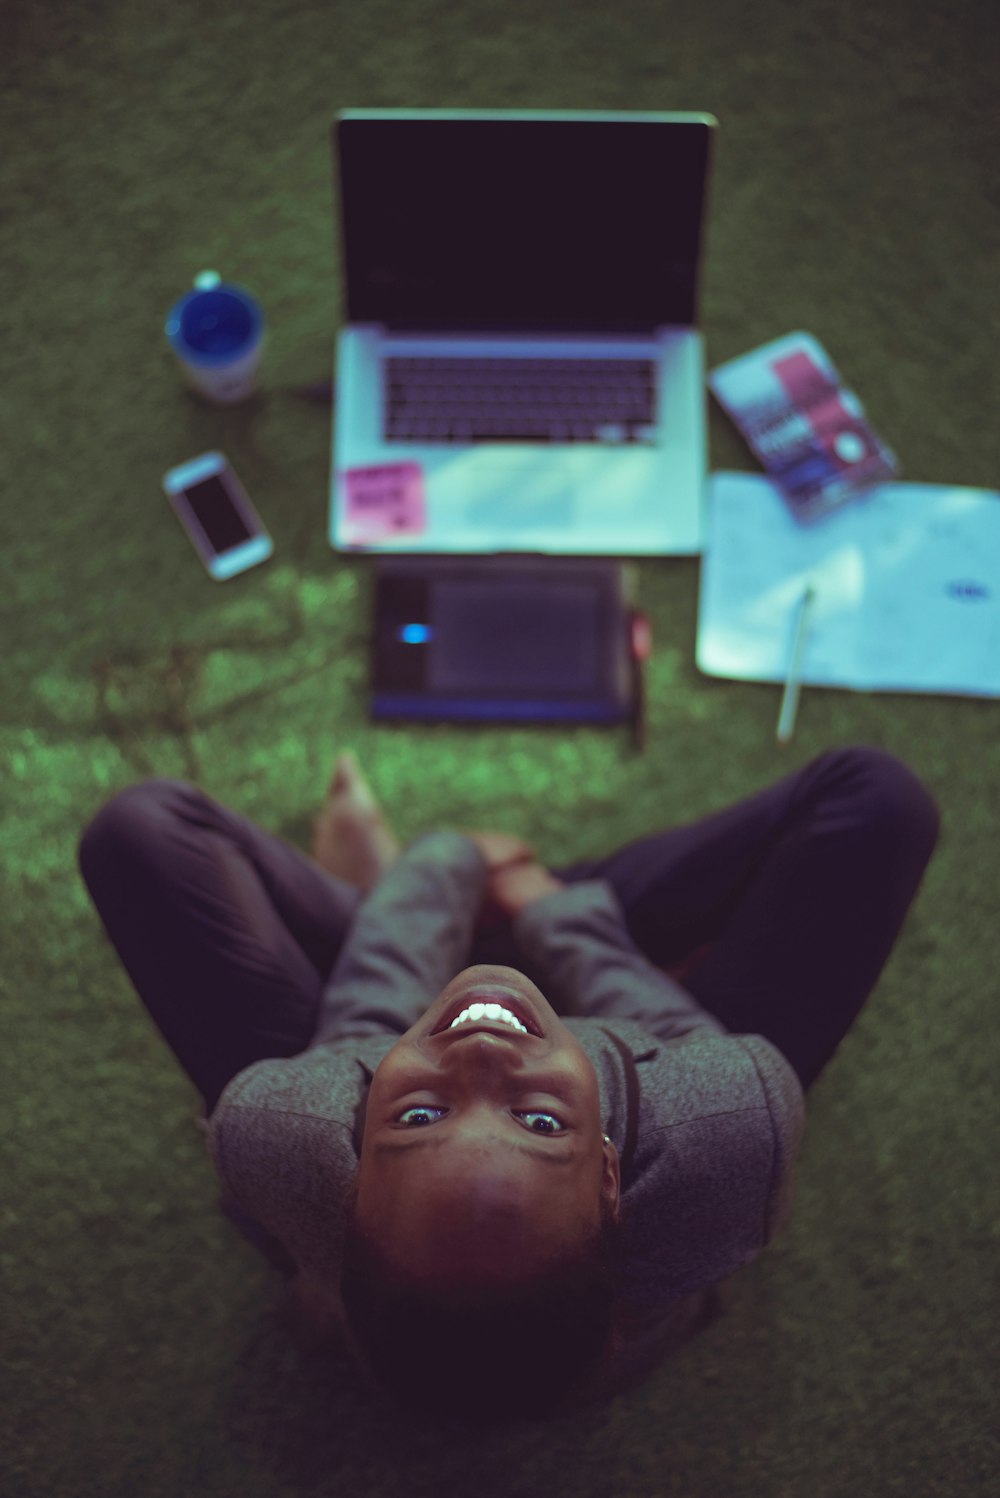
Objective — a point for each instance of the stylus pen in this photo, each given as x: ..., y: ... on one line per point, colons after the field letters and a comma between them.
x: 793, y: 681
x: 641, y: 646
x: 638, y: 708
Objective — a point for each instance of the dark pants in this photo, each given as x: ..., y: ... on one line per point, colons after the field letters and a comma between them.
x: 788, y: 902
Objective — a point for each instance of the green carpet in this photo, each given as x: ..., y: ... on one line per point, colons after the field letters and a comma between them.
x: 855, y: 195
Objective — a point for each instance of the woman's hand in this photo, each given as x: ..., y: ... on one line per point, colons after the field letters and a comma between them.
x: 501, y: 849
x: 512, y: 888
x: 516, y: 878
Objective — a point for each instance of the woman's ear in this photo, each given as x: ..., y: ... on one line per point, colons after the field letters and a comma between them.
x: 611, y: 1178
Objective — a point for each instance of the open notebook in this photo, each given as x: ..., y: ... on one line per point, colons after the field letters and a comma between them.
x: 907, y: 588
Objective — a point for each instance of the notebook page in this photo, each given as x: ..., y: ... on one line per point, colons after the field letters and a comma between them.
x: 907, y: 585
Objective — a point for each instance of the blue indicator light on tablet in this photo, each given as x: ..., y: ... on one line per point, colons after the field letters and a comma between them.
x: 414, y: 634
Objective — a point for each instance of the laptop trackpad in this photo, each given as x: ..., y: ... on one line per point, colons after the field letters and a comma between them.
x: 523, y: 497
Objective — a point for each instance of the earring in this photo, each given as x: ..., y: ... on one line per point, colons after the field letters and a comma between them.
x: 607, y: 1139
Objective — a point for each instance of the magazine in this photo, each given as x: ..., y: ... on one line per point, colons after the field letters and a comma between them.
x: 802, y: 423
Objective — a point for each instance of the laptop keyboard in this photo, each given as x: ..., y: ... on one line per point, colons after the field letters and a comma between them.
x: 520, y: 400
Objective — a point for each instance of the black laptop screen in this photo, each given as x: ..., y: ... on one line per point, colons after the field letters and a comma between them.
x: 521, y: 225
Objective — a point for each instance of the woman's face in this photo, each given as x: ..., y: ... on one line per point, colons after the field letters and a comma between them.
x: 483, y: 1148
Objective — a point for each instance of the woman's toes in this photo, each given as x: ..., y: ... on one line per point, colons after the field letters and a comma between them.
x: 351, y: 837
x: 349, y: 783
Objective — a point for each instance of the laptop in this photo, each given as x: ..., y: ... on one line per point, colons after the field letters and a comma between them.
x: 519, y: 367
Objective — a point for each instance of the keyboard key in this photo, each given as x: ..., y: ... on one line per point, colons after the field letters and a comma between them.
x: 519, y: 399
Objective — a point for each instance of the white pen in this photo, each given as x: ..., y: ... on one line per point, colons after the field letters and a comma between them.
x: 793, y: 681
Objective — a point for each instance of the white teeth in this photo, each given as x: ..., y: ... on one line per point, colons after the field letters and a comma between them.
x: 491, y: 1012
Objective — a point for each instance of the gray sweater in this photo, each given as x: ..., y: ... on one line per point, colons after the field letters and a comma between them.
x: 707, y: 1124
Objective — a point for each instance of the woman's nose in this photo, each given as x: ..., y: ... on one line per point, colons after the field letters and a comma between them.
x: 484, y: 1052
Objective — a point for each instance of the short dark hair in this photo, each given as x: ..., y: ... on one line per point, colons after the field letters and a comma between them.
x: 483, y: 1355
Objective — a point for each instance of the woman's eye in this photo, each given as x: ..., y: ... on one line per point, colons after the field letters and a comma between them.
x: 527, y: 1114
x: 417, y: 1109
x: 550, y: 1117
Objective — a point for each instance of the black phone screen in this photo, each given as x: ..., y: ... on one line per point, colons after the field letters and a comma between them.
x: 217, y: 514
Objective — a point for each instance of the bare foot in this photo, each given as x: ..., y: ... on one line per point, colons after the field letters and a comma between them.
x: 351, y: 837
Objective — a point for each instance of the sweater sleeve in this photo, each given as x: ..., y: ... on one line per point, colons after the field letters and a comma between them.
x: 578, y: 940
x: 409, y: 938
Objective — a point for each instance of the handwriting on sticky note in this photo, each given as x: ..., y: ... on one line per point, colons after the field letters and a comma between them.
x: 386, y: 499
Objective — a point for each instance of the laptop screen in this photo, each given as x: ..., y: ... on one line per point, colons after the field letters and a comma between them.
x: 521, y: 223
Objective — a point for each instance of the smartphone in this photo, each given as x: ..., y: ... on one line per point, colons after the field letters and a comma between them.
x: 215, y: 510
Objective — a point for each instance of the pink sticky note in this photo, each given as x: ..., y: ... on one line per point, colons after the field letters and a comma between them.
x: 384, y: 500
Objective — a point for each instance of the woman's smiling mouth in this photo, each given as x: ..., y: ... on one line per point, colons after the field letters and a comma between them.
x: 480, y: 997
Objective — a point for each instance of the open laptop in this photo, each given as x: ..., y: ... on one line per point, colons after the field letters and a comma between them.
x: 520, y: 367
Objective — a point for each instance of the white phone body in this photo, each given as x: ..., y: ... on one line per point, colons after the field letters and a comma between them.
x: 215, y: 510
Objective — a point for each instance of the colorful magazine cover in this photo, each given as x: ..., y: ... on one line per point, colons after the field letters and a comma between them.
x: 803, y: 424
